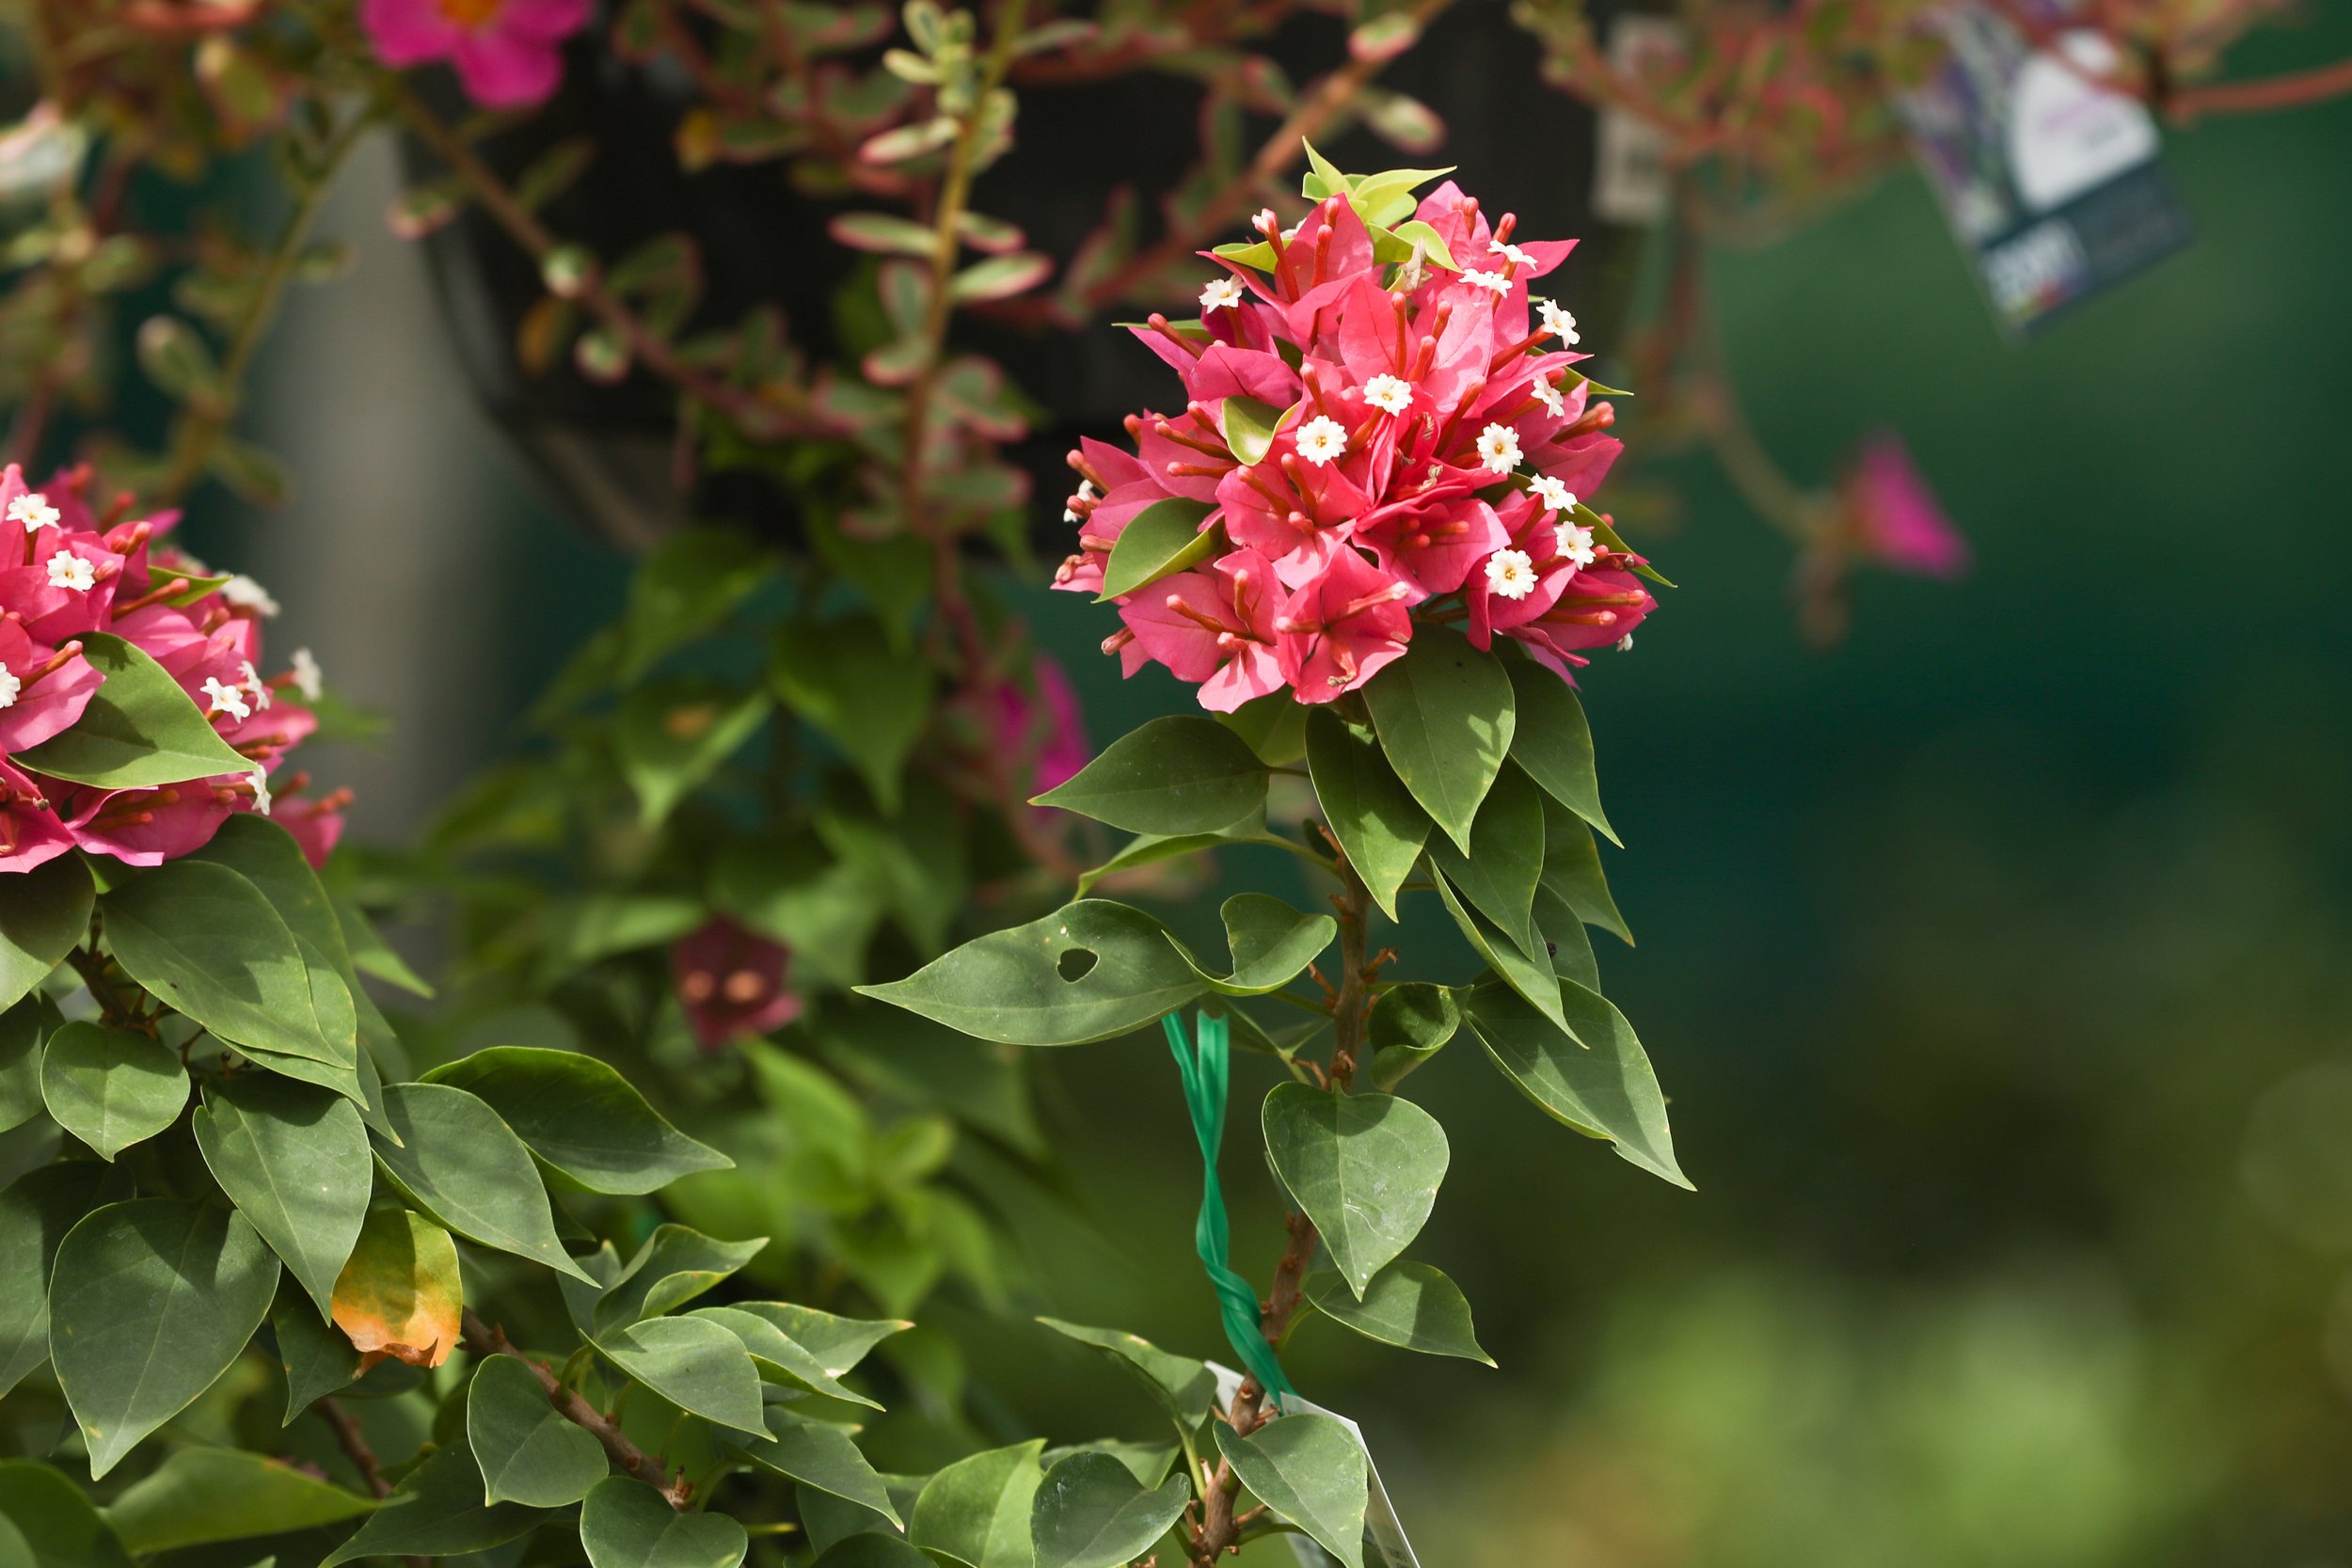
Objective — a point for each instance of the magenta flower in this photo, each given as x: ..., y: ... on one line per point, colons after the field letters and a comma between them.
x: 1052, y: 728
x: 1214, y: 627
x: 506, y: 51
x: 43, y: 689
x: 732, y: 983
x: 30, y: 833
x: 1894, y: 518
x: 1337, y: 632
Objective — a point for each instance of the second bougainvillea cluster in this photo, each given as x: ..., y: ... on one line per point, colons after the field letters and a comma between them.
x: 109, y: 635
x: 1382, y: 426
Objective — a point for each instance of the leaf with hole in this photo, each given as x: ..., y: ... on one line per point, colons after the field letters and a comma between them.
x: 1091, y: 971
x: 1183, y: 774
x: 1364, y: 1167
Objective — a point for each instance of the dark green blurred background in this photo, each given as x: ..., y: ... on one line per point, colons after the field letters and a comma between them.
x: 1998, y: 963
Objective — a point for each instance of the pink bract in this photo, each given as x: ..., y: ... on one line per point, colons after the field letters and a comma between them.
x: 1895, y: 519
x: 731, y: 983
x: 507, y: 52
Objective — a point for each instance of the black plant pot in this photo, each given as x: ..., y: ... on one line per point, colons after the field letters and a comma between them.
x: 609, y: 450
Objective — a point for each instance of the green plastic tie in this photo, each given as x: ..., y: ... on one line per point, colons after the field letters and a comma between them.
x: 1206, y: 1073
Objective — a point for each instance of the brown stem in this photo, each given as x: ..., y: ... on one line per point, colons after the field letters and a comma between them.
x: 353, y: 1443
x: 484, y: 1339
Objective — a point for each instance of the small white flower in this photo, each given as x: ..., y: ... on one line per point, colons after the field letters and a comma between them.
x: 1508, y: 252
x: 253, y: 685
x: 1086, y: 493
x: 1576, y: 544
x: 1559, y: 321
x: 246, y: 593
x: 226, y: 698
x: 1321, y: 439
x: 72, y: 571
x: 10, y: 687
x: 34, y: 511
x: 1554, y: 401
x: 1510, y: 574
x: 1499, y: 449
x: 1390, y: 394
x: 260, y: 792
x: 1493, y: 281
x: 1222, y: 294
x: 1625, y: 643
x: 307, y: 678
x: 1555, y: 495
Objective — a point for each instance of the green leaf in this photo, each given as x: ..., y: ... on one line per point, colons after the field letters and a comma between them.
x: 1308, y: 1469
x: 316, y: 1358
x: 771, y: 1346
x: 1506, y: 860
x: 1445, y: 719
x: 1090, y: 1512
x: 1594, y: 1076
x: 207, y: 940
x: 36, y: 1211
x: 1571, y: 944
x: 1552, y: 741
x: 1250, y: 426
x: 977, y: 1511
x: 869, y: 1550
x: 294, y: 1159
x: 199, y: 1496
x: 1365, y: 804
x: 1151, y: 848
x: 55, y: 1520
x: 1572, y: 870
x: 460, y: 1164
x: 1364, y: 1167
x: 685, y: 586
x: 673, y: 736
x: 46, y: 914
x: 401, y: 1294
x: 673, y: 1266
x: 1323, y: 178
x: 1274, y: 725
x: 837, y: 1343
x: 370, y: 952
x: 1407, y: 1304
x: 1091, y: 971
x: 819, y: 1455
x: 437, y: 1511
x: 1163, y: 539
x: 695, y: 1364
x: 1183, y: 775
x: 1535, y: 979
x: 844, y: 677
x: 626, y: 1523
x: 526, y: 1452
x: 140, y: 730
x: 1410, y: 1023
x: 1272, y: 944
x: 580, y: 1117
x: 111, y: 1088
x: 24, y: 1031
x: 1182, y: 1387
x: 150, y: 1302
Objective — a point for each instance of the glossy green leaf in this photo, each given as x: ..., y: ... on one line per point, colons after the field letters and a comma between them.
x: 1184, y: 1388
x: 1407, y: 1304
x: 867, y: 1550
x: 1534, y: 979
x: 459, y: 1163
x: 626, y: 1523
x: 579, y: 1117
x: 207, y: 940
x: 1505, y: 860
x: 977, y: 1511
x: 1274, y: 725
x: 1365, y: 804
x: 837, y: 1343
x: 1445, y: 719
x: 110, y: 1088
x: 672, y: 735
x: 1091, y: 971
x: 526, y: 1452
x: 1571, y: 944
x: 1250, y: 426
x: 1552, y: 741
x: 437, y: 1511
x: 773, y: 1347
x: 401, y: 1294
x: 36, y: 1211
x: 313, y: 1353
x: 1572, y: 870
x: 370, y: 952
x: 1310, y: 1472
x: 151, y: 1300
x: 1272, y: 944
x: 817, y: 1454
x: 46, y: 914
x: 1090, y: 1512
x: 1151, y: 848
x: 24, y: 1031
x: 15, y: 1551
x: 1593, y: 1077
x: 199, y: 1496
x: 1163, y: 539
x: 670, y: 1268
x: 1183, y: 774
x: 1410, y: 1023
x: 294, y: 1159
x: 140, y: 730
x: 55, y: 1519
x: 695, y: 1364
x: 866, y: 697
x: 1364, y: 1167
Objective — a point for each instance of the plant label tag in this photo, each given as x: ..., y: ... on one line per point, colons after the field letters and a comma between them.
x: 1384, y: 1543
x: 1630, y: 182
x: 2048, y: 177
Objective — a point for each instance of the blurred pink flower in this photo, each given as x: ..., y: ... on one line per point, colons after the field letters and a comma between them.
x: 1894, y: 516
x: 731, y: 982
x: 1061, y: 750
x: 505, y: 51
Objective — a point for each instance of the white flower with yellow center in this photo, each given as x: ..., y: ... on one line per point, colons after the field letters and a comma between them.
x: 225, y: 699
x: 252, y: 685
x: 1554, y: 401
x: 1555, y: 495
x: 72, y: 571
x: 307, y: 678
x: 1499, y: 449
x: 1222, y: 294
x: 1510, y: 574
x: 1321, y: 439
x: 1558, y: 321
x: 1493, y: 282
x: 1388, y: 393
x: 34, y: 511
x: 1508, y: 252
x: 1576, y: 544
x: 260, y: 792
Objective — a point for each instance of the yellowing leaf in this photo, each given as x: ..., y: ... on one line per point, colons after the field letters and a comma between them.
x: 400, y: 1295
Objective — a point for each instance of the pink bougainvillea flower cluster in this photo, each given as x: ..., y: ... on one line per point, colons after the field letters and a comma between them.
x: 66, y: 573
x: 507, y: 52
x: 1377, y: 434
